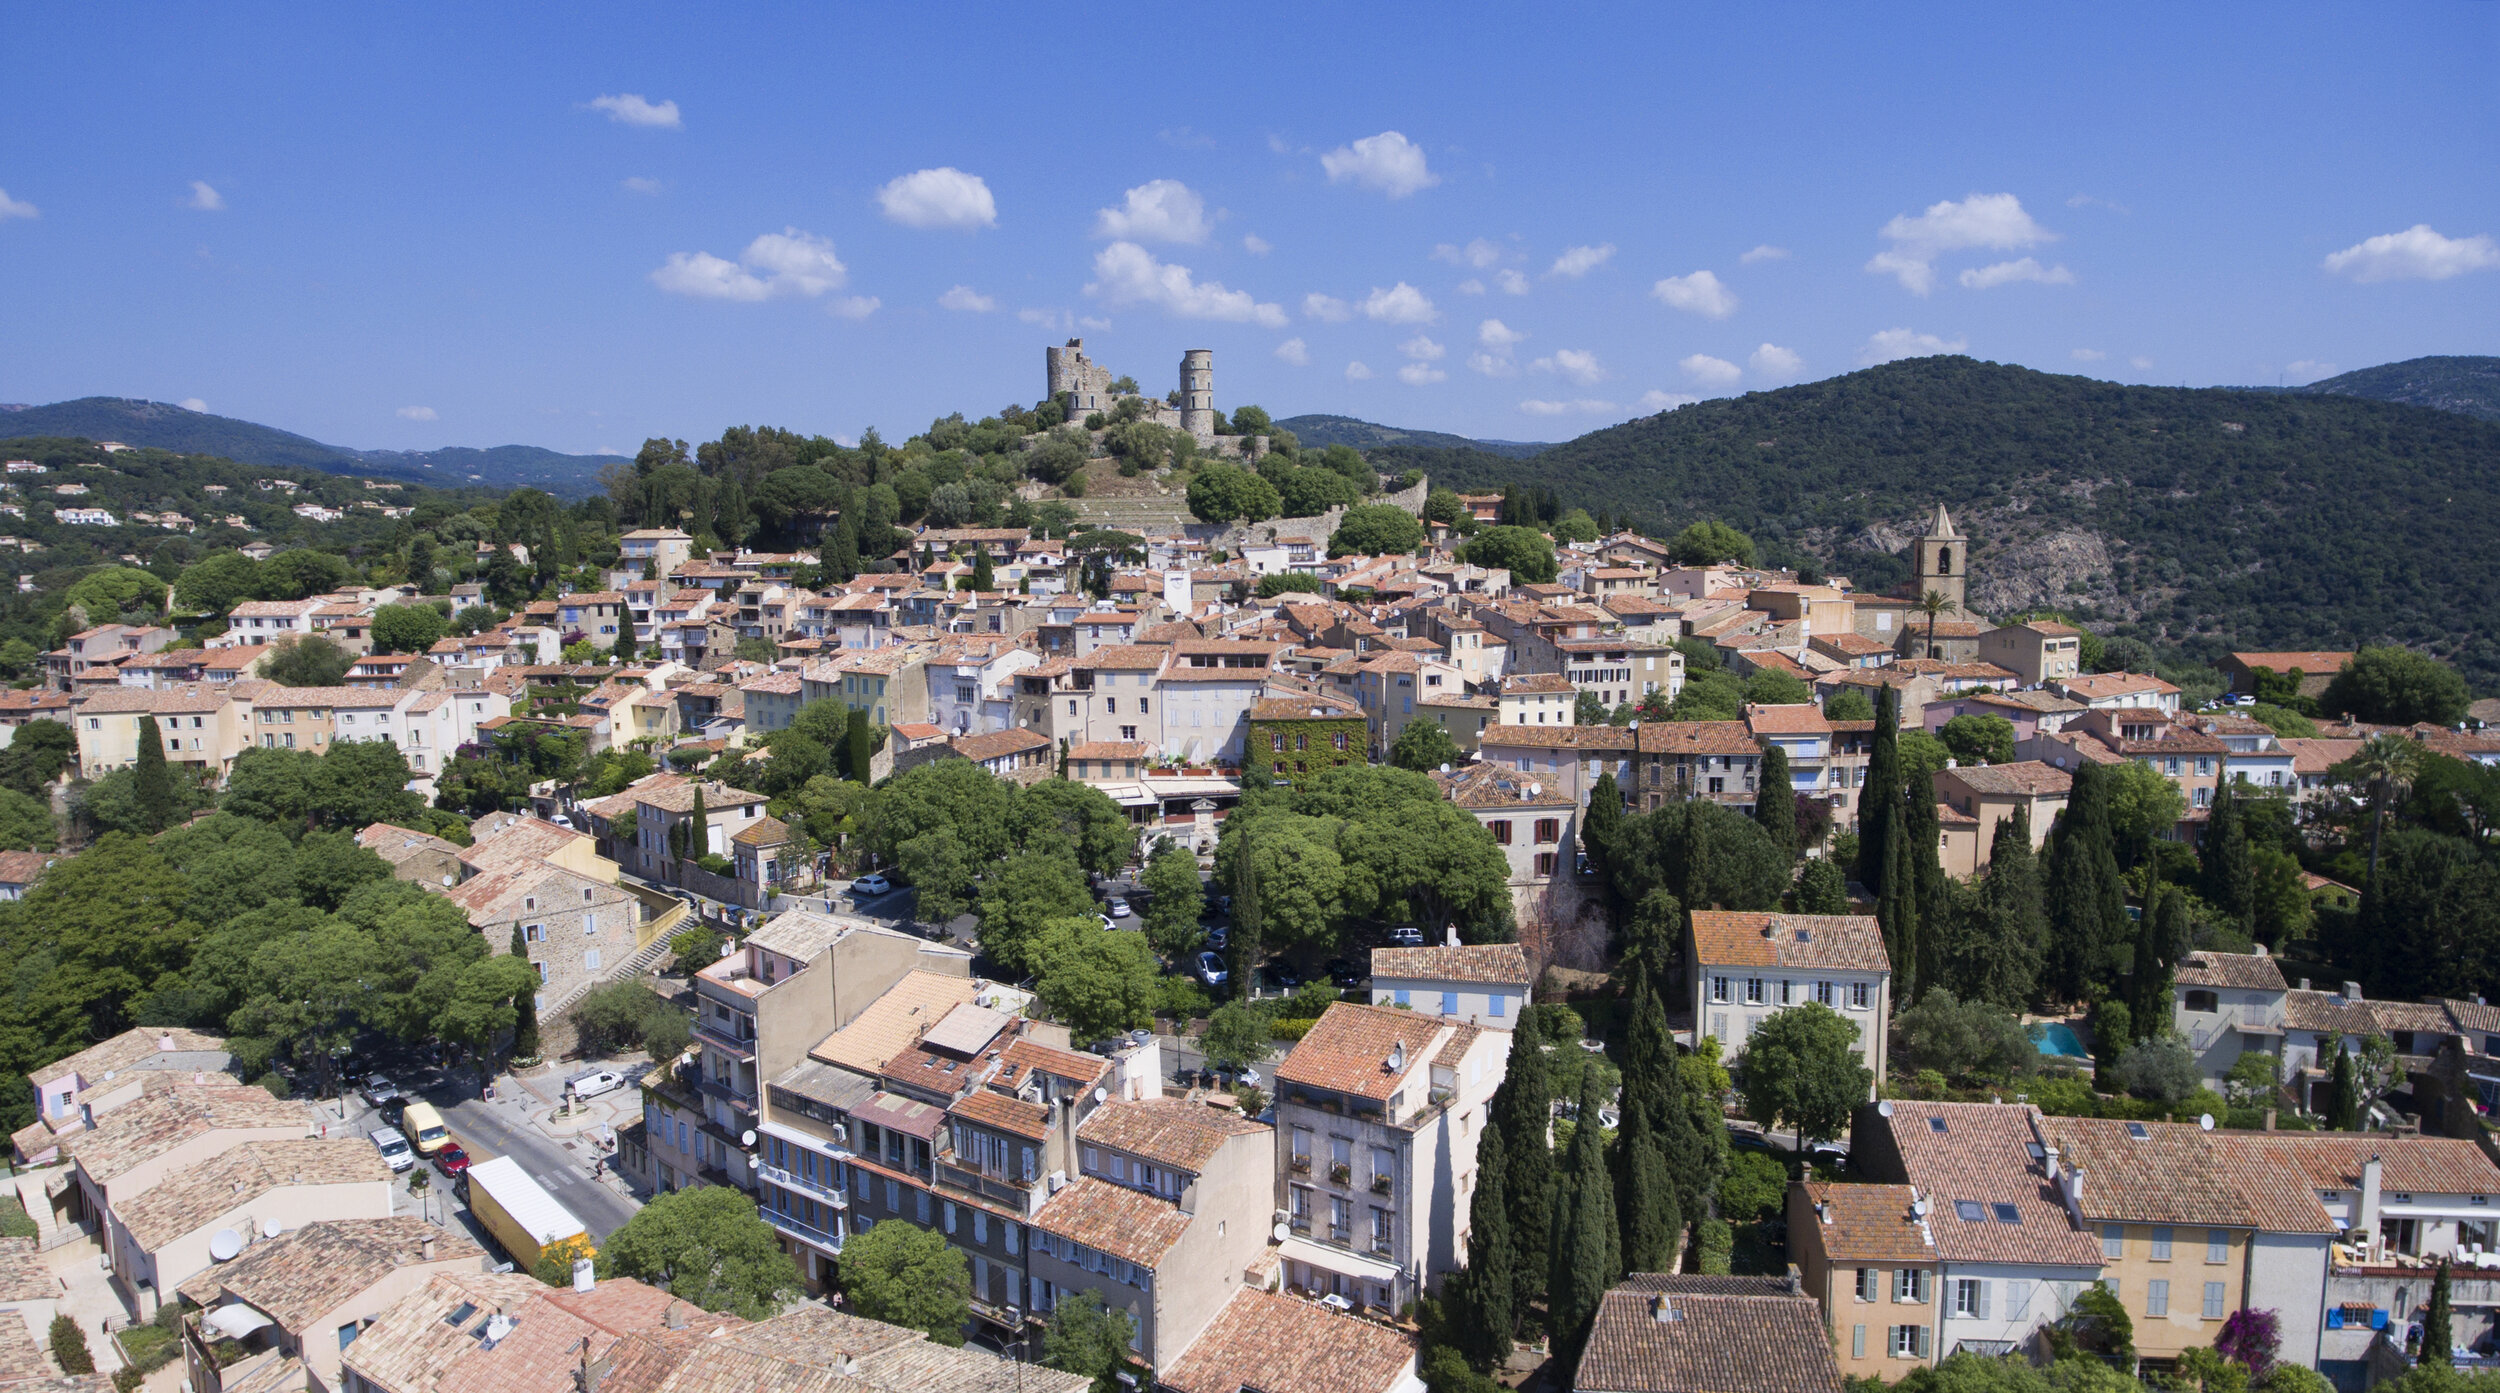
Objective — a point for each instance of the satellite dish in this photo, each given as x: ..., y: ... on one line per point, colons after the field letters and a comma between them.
x: 1283, y: 1232
x: 1919, y: 1208
x: 728, y: 948
x: 747, y: 1138
x: 1099, y: 1095
x: 1884, y: 1108
x: 2206, y: 1121
x: 269, y: 1227
x: 225, y: 1245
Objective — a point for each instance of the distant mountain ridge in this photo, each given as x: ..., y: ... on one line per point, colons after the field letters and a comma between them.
x: 1322, y: 431
x: 2467, y: 385
x: 162, y: 426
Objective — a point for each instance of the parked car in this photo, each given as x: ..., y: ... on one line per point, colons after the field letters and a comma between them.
x: 378, y: 1090
x: 1829, y: 1155
x: 1217, y: 938
x: 1105, y: 921
x: 452, y: 1162
x: 1211, y: 970
x: 1407, y: 936
x: 596, y: 1082
x: 871, y: 885
x: 1282, y: 977
x: 1119, y: 908
x: 1345, y: 975
x: 1745, y: 1139
x: 394, y: 1148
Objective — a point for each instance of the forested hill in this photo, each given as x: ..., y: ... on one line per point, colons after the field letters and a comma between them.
x: 2469, y: 385
x: 159, y: 426
x: 1319, y: 432
x: 2203, y: 519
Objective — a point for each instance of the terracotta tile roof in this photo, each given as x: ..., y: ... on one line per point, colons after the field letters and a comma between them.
x: 2246, y: 971
x: 1351, y: 1047
x: 1745, y: 938
x: 2175, y: 1173
x: 413, y: 1348
x: 998, y: 743
x: 1697, y: 738
x: 1006, y: 1113
x: 183, y: 1203
x: 2415, y: 1165
x: 679, y: 797
x: 1799, y: 719
x: 1494, y: 963
x: 2327, y: 1012
x: 1112, y: 749
x: 300, y: 1276
x: 1532, y: 682
x: 895, y: 1020
x: 1710, y: 1343
x: 1114, y: 1219
x: 1167, y: 1131
x: 1314, y: 706
x: 1868, y: 1223
x: 1024, y: 1056
x: 2311, y: 664
x: 2104, y: 686
x: 1493, y: 788
x: 24, y: 1276
x: 764, y: 831
x: 132, y: 1048
x: 1283, y: 1344
x: 139, y: 1132
x: 2022, y: 778
x: 25, y: 1369
x: 1982, y: 1154
x: 1558, y: 737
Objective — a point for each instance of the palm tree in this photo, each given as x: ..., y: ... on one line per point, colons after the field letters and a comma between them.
x: 2387, y: 764
x: 1931, y: 604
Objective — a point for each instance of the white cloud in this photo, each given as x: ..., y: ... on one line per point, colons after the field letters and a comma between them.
x: 964, y: 297
x: 1092, y: 321
x: 1493, y: 333
x: 1357, y: 372
x: 2008, y: 272
x: 2415, y: 254
x: 1478, y: 254
x: 416, y: 413
x: 1655, y: 400
x: 1773, y: 361
x: 1127, y: 274
x: 1471, y: 286
x: 15, y: 208
x: 775, y: 265
x: 1163, y: 210
x: 1420, y: 374
x: 1511, y: 282
x: 1699, y: 293
x: 1295, y: 351
x: 1565, y: 408
x: 1492, y: 365
x: 630, y: 109
x: 2309, y: 370
x: 1256, y: 245
x: 1044, y: 317
x: 854, y: 307
x: 1715, y: 372
x: 1579, y: 365
x: 205, y: 199
x: 941, y: 197
x: 1399, y: 304
x: 2087, y: 355
x: 1765, y: 252
x: 1328, y: 309
x: 1423, y: 348
x: 641, y: 184
x: 1890, y: 344
x: 1579, y: 261
x: 1994, y: 221
x: 2140, y: 363
x: 1387, y: 162
x: 194, y: 404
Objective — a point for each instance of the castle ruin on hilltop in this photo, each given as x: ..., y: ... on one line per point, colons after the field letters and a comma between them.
x: 1085, y: 387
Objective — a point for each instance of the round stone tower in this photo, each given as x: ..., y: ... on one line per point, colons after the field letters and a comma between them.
x: 1198, y: 393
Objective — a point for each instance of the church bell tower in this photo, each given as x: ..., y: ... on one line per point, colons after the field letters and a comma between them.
x: 1943, y: 562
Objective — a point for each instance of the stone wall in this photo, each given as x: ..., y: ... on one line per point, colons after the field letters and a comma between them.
x: 1236, y: 535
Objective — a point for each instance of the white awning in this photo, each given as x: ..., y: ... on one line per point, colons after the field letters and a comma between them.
x: 236, y: 1320
x: 1338, y: 1260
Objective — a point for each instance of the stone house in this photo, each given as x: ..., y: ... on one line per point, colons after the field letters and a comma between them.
x: 1750, y: 966
x: 315, y: 1287
x: 1533, y: 824
x: 1869, y: 1259
x: 1484, y: 984
x: 1292, y: 735
x: 251, y: 1188
x: 1993, y: 793
x: 157, y: 1140
x: 2037, y: 651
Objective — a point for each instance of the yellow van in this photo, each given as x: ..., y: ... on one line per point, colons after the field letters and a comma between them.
x: 424, y: 1128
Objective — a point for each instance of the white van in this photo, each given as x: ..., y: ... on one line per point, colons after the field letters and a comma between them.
x: 394, y: 1149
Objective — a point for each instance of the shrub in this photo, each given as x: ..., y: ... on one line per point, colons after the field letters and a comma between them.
x: 1753, y: 1187
x: 14, y: 1221
x: 1962, y: 1040
x: 2159, y: 1069
x: 276, y: 1083
x: 1717, y: 1243
x: 1289, y: 1030
x: 69, y: 1347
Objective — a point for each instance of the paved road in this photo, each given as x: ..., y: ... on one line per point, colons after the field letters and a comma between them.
x: 500, y: 1127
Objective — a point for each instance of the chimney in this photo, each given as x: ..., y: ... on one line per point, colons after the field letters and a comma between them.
x: 1662, y: 1310
x: 1796, y: 1280
x: 2367, y: 1222
x: 2304, y: 984
x: 165, y: 1043
x: 425, y: 1248
x: 584, y: 1275
x: 676, y: 1317
x: 2352, y: 991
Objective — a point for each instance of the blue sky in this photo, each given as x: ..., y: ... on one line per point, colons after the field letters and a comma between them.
x: 578, y: 228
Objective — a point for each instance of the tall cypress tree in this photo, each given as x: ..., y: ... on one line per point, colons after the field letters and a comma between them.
x: 1522, y: 1109
x: 1892, y: 880
x: 1491, y: 1286
x: 1921, y: 833
x: 1775, y: 800
x: 1645, y: 1203
x: 1587, y: 1248
x: 1651, y: 942
x: 859, y: 749
x: 2004, y: 955
x: 698, y: 827
x: 2080, y: 886
x: 154, y: 784
x: 2343, y: 1099
x: 1601, y: 829
x: 982, y: 579
x: 2438, y: 1340
x: 1883, y: 787
x: 2226, y: 879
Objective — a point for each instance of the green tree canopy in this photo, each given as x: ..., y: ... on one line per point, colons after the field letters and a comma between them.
x: 1086, y: 1337
x: 1097, y: 981
x: 1221, y: 493
x: 906, y: 1275
x: 1423, y: 747
x: 1525, y: 552
x: 107, y: 593
x: 2396, y: 686
x: 1376, y: 529
x: 309, y: 660
x: 706, y: 1245
x: 1711, y: 541
x: 1174, y: 898
x: 1801, y: 1071
x: 407, y: 628
x: 1976, y: 739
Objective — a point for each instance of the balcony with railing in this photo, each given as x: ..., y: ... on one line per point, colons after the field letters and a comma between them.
x: 726, y: 1092
x: 804, y: 1232
x: 1025, y: 1199
x: 833, y: 1195
x: 726, y: 1036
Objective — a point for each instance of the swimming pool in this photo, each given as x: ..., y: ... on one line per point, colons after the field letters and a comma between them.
x: 2058, y: 1040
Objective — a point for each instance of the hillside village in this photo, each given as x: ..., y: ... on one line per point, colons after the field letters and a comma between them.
x: 1429, y: 940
